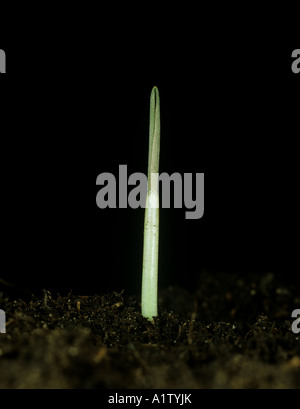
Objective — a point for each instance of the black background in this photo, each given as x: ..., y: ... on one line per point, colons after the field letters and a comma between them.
x: 74, y: 108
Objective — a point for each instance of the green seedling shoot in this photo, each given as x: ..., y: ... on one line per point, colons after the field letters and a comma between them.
x: 151, y: 225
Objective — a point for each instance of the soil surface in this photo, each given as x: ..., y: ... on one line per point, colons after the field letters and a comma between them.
x: 231, y: 332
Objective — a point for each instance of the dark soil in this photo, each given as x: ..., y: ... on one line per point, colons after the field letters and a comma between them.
x: 232, y: 332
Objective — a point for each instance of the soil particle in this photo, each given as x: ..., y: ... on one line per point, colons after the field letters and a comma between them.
x: 231, y: 332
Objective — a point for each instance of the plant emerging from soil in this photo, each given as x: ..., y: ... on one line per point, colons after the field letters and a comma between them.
x: 151, y: 225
